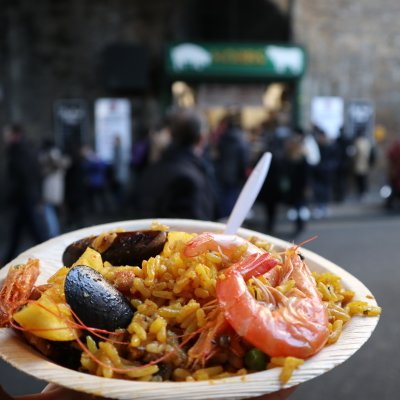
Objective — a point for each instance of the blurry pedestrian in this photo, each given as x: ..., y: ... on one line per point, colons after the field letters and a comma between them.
x: 231, y: 164
x: 361, y: 162
x: 393, y: 162
x: 297, y: 170
x: 345, y: 149
x: 53, y: 165
x: 75, y: 190
x: 271, y: 192
x: 323, y: 174
x: 159, y: 139
x: 95, y: 171
x: 120, y: 172
x: 24, y: 191
x: 141, y: 151
x: 180, y: 184
x: 311, y: 148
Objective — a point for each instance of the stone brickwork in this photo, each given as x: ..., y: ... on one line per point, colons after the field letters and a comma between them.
x: 354, y: 52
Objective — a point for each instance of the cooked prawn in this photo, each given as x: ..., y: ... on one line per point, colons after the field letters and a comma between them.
x: 205, y: 346
x: 292, y: 324
x: 227, y: 245
x: 17, y: 288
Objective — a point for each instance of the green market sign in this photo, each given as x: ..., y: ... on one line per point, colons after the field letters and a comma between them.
x: 235, y: 60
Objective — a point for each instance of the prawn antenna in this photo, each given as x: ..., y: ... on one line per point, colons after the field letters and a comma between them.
x: 307, y: 241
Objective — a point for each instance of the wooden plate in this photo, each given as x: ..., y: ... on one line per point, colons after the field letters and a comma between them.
x: 23, y: 357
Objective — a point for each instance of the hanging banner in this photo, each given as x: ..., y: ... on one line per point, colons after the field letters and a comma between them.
x: 360, y: 117
x: 70, y: 123
x: 328, y: 114
x: 112, y: 124
x: 235, y: 60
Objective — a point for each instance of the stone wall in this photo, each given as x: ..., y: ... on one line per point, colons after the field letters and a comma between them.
x: 354, y: 52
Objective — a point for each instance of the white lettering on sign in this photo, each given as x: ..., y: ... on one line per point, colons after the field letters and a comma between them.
x: 190, y: 55
x: 285, y: 59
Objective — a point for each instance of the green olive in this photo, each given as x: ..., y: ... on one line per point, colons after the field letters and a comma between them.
x: 255, y: 360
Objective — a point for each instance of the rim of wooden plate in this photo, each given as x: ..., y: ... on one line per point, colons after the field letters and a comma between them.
x: 15, y: 351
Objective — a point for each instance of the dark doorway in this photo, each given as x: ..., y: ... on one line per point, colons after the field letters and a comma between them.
x: 236, y: 20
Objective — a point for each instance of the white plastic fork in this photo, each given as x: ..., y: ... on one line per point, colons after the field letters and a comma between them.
x: 248, y: 194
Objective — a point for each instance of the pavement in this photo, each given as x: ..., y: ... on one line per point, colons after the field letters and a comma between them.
x: 351, y: 209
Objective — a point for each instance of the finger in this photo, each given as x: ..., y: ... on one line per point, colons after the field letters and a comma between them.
x: 54, y: 392
x: 50, y: 387
x: 279, y: 395
x: 4, y: 395
x: 60, y: 393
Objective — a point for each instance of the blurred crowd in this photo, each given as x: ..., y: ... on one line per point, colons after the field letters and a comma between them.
x: 184, y: 169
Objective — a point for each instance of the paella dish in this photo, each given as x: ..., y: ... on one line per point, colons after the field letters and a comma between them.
x: 164, y: 305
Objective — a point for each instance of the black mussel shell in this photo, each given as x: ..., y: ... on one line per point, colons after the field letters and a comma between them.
x: 128, y: 248
x: 75, y: 250
x: 95, y: 301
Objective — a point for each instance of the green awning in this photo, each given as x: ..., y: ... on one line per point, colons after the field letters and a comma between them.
x: 235, y: 60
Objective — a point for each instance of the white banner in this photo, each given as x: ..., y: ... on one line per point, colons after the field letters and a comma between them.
x: 328, y: 114
x: 360, y: 116
x: 71, y: 123
x: 112, y: 120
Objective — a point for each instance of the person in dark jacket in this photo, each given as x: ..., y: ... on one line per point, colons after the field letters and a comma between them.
x: 180, y: 184
x: 76, y: 196
x: 231, y: 163
x: 323, y: 174
x: 271, y: 192
x: 297, y: 171
x: 24, y: 191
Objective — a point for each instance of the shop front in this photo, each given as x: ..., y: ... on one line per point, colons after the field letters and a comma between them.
x: 259, y: 80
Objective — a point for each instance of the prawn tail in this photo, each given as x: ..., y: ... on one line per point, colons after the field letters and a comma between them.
x: 255, y: 264
x: 199, y: 245
x: 17, y: 289
x: 206, y: 344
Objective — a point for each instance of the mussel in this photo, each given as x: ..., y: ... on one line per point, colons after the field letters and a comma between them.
x: 119, y: 248
x: 95, y: 301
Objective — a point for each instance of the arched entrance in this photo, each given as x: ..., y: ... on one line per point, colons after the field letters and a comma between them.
x: 237, y: 20
x: 235, y: 47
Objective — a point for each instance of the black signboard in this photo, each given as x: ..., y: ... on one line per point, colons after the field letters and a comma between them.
x: 360, y: 117
x: 71, y: 123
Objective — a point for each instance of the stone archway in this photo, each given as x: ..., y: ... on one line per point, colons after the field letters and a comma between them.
x: 236, y: 20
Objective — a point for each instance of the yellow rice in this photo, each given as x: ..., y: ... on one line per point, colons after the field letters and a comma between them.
x: 172, y: 292
x: 174, y: 296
